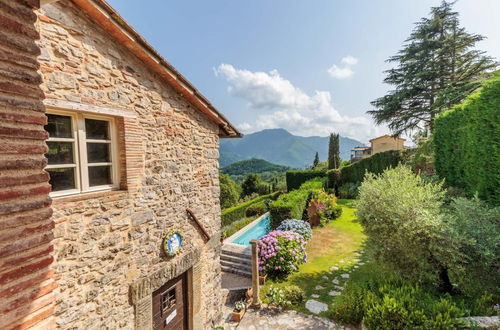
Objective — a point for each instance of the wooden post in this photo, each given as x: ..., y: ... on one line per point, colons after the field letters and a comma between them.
x: 255, y: 275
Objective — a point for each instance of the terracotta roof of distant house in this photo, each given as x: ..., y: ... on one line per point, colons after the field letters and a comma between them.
x: 104, y: 15
x: 383, y: 136
x: 361, y: 148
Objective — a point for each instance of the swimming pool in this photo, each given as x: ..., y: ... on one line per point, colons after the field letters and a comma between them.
x: 254, y: 230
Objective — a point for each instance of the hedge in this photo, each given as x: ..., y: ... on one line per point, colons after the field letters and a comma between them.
x: 295, y: 178
x: 293, y: 204
x: 355, y: 172
x: 238, y: 212
x: 467, y: 141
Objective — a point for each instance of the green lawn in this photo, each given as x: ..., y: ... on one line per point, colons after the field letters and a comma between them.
x: 335, y: 244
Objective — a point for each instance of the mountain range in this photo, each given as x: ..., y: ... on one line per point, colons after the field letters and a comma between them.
x: 281, y: 147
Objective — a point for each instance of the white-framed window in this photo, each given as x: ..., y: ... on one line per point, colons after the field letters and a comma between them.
x: 82, y: 154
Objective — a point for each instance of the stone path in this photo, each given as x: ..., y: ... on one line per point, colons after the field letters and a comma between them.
x: 274, y: 318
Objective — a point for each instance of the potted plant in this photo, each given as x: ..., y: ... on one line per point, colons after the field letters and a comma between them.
x: 238, y: 311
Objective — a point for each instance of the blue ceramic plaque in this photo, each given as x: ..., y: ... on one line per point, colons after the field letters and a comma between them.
x: 172, y: 243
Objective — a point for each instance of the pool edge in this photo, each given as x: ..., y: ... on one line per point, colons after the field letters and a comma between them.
x: 236, y: 235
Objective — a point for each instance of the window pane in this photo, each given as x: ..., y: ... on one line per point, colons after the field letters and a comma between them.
x: 99, y: 175
x: 60, y: 153
x: 97, y: 129
x: 62, y: 178
x: 59, y: 126
x: 98, y: 152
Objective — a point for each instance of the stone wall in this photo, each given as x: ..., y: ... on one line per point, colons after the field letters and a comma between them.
x: 26, y: 280
x: 106, y: 242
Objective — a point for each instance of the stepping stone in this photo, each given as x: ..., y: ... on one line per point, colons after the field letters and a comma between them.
x: 345, y: 275
x: 315, y: 295
x: 338, y: 287
x: 361, y: 263
x: 318, y: 287
x: 335, y: 281
x: 325, y: 277
x: 315, y: 306
x: 342, y: 261
x: 356, y: 267
x: 334, y: 268
x: 334, y: 293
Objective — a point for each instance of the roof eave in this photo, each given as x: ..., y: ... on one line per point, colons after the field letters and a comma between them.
x: 104, y: 15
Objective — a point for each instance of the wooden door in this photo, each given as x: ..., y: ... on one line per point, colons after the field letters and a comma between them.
x: 170, y: 305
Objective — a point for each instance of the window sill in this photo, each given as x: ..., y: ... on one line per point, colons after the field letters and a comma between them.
x: 89, y: 195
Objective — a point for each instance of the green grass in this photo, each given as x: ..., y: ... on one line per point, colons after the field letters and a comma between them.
x: 338, y: 240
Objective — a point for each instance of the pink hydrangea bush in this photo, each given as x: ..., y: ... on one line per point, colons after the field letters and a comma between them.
x: 281, y: 253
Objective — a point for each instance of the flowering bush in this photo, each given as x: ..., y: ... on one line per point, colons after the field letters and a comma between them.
x: 325, y: 206
x: 281, y: 252
x: 297, y: 226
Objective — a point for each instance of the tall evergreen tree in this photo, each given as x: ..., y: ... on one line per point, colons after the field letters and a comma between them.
x: 437, y: 68
x: 334, y: 151
x: 316, y: 160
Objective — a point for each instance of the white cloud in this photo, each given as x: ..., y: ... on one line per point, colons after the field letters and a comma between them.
x: 344, y: 71
x: 283, y: 105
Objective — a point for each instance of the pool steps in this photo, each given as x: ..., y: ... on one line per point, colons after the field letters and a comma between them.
x: 236, y: 259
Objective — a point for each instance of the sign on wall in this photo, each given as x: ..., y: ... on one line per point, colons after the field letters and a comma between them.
x: 172, y: 243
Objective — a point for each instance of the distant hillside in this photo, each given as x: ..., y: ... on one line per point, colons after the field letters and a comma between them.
x: 280, y: 147
x: 253, y: 165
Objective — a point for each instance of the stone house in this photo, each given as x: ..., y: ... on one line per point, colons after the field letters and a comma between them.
x: 132, y: 153
x: 378, y: 144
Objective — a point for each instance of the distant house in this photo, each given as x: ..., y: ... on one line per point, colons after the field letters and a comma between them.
x: 131, y: 158
x: 378, y: 144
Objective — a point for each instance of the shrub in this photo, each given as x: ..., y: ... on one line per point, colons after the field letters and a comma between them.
x: 466, y: 141
x: 293, y: 204
x: 276, y: 296
x: 256, y: 209
x: 355, y: 172
x: 236, y: 213
x: 280, y: 253
x: 293, y: 294
x: 400, y: 214
x: 326, y: 206
x: 475, y: 228
x: 229, y: 191
x: 295, y: 178
x: 348, y: 190
x: 349, y: 307
x: 300, y: 227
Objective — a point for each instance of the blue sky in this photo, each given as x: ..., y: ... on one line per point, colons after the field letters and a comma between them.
x: 311, y: 67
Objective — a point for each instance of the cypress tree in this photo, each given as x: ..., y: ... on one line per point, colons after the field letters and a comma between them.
x: 436, y: 69
x: 316, y: 160
x: 334, y: 151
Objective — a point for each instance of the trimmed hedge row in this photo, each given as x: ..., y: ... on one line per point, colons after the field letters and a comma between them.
x: 295, y: 178
x: 467, y: 142
x: 293, y: 204
x: 355, y: 172
x: 238, y: 212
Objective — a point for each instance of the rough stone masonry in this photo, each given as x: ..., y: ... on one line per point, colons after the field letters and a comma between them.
x: 107, y: 244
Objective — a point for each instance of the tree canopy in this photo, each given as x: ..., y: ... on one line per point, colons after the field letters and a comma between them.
x: 436, y: 69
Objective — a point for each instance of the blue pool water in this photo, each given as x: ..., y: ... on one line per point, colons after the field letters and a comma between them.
x: 260, y: 229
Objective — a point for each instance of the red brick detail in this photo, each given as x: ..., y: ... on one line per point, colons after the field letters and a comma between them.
x: 24, y: 133
x: 5, y: 265
x: 37, y: 318
x: 23, y: 164
x: 15, y: 148
x: 26, y: 218
x: 28, y: 243
x: 26, y: 280
x: 8, y: 181
x: 23, y: 118
x: 20, y: 192
x: 25, y: 270
x: 29, y: 283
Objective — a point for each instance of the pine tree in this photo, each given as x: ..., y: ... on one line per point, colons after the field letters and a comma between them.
x: 316, y: 160
x: 437, y: 68
x: 334, y: 151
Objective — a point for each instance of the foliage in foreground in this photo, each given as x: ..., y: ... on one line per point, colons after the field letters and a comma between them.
x: 281, y: 253
x: 467, y: 142
x: 410, y: 228
x: 229, y: 191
